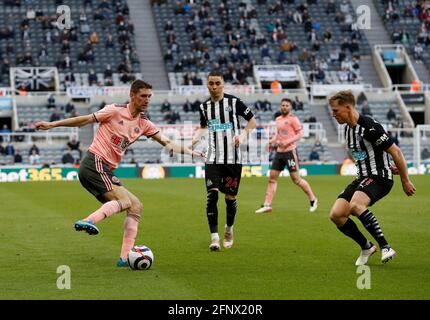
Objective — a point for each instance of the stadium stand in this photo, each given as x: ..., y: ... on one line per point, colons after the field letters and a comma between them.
x: 101, y: 35
x: 259, y: 32
x: 407, y: 24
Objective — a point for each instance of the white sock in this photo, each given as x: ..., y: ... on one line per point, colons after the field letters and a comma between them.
x: 228, y: 229
x: 214, y: 236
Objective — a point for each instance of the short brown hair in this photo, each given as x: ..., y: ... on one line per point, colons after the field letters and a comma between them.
x: 136, y: 85
x: 216, y: 73
x: 343, y: 97
x: 287, y: 99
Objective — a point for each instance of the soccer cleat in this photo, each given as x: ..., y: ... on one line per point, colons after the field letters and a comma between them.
x: 122, y: 263
x: 365, y: 255
x: 228, y: 239
x: 314, y: 206
x: 86, y: 226
x: 387, y: 254
x: 264, y: 209
x: 214, y: 246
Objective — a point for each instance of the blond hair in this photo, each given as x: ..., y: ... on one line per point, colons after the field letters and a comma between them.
x: 343, y: 97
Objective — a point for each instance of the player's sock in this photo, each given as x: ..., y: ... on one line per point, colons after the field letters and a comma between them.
x: 231, y: 208
x: 370, y: 222
x: 215, y: 236
x: 350, y: 229
x: 270, y: 192
x: 212, y: 210
x: 307, y: 189
x: 131, y: 224
x: 106, y: 210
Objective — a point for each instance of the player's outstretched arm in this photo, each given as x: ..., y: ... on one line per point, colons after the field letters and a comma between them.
x: 199, y: 133
x: 166, y: 142
x: 71, y: 122
x: 401, y: 168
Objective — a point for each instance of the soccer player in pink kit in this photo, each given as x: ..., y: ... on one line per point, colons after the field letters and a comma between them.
x: 288, y: 131
x: 120, y: 126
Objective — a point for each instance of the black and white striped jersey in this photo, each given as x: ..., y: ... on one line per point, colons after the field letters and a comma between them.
x: 222, y: 120
x: 367, y: 143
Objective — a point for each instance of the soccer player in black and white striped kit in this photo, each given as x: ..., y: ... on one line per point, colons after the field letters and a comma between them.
x: 219, y: 116
x: 370, y: 147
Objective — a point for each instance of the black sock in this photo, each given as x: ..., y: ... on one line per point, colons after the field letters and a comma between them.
x: 350, y: 229
x: 231, y: 208
x: 212, y: 211
x: 371, y: 224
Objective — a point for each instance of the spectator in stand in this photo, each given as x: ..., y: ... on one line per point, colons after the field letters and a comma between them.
x: 391, y: 115
x: 17, y: 158
x: 297, y: 104
x: 33, y: 148
x: 187, y: 106
x: 258, y: 105
x: 55, y: 116
x: 51, y: 101
x: 9, y: 150
x: 34, y: 158
x: 69, y: 108
x: 394, y: 137
x: 365, y: 109
x: 67, y: 157
x: 314, y: 155
x: 166, y: 106
x: 267, y: 105
x: 425, y: 154
x: 75, y: 145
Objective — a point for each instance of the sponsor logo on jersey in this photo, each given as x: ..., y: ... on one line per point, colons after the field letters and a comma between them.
x: 358, y: 155
x: 216, y: 125
x: 382, y: 139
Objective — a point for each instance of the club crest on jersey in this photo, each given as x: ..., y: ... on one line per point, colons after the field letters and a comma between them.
x: 228, y: 108
x: 115, y: 179
x: 136, y: 130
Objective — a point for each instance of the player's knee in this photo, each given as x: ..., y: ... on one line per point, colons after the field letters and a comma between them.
x: 297, y: 180
x: 357, y: 208
x: 125, y: 203
x: 212, y: 195
x: 336, y: 216
x: 272, y: 180
x: 137, y: 208
x: 230, y: 197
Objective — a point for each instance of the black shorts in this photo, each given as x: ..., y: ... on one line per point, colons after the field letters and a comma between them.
x: 224, y: 177
x: 96, y: 177
x: 287, y: 159
x: 375, y: 187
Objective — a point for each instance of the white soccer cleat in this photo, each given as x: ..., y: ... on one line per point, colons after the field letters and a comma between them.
x: 264, y: 209
x: 228, y: 239
x: 365, y: 255
x: 314, y: 206
x: 387, y: 254
x: 214, y: 246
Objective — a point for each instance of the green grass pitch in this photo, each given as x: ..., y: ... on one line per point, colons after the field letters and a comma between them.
x: 289, y: 254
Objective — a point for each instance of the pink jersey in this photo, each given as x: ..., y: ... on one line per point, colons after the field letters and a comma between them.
x: 288, y: 131
x: 117, y: 130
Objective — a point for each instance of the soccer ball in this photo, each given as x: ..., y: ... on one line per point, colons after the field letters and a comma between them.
x: 140, y: 258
